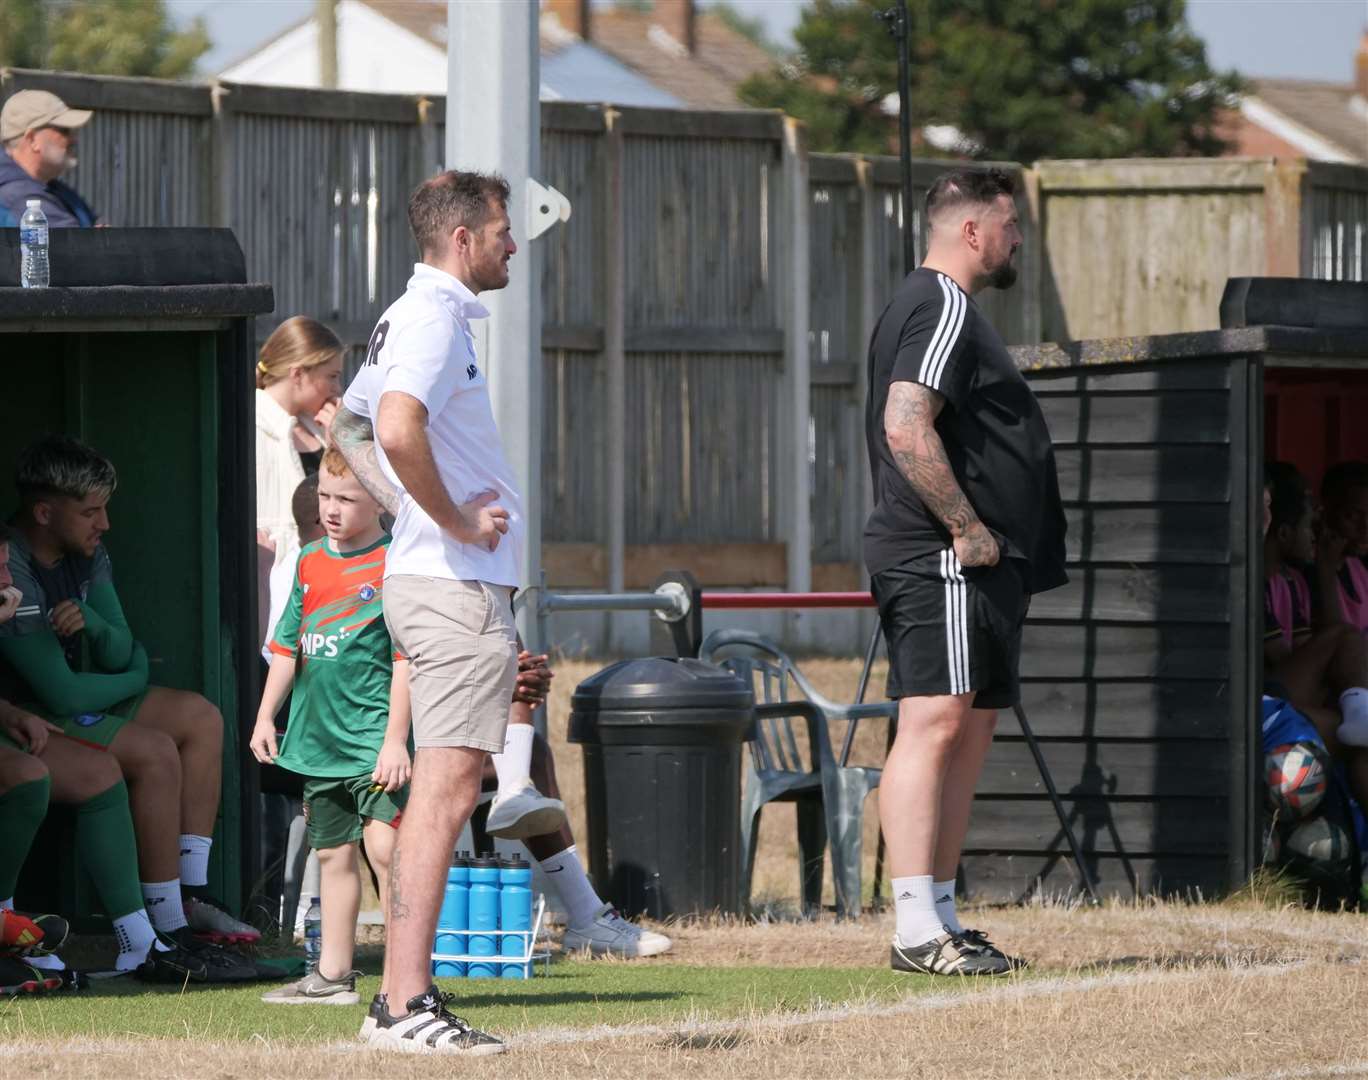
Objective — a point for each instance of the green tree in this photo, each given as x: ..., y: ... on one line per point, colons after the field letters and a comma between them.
x: 99, y: 37
x: 1019, y: 80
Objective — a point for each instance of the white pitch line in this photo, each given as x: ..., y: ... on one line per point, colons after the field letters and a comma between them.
x: 921, y: 1003
x: 1021, y: 991
x: 1348, y: 1068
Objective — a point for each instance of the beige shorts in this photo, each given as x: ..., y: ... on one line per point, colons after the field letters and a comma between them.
x: 461, y: 644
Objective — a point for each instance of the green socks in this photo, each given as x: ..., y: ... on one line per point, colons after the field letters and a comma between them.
x: 108, y: 851
x: 22, y: 809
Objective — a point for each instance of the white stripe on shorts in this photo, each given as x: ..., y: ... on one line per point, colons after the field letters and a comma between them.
x: 956, y: 622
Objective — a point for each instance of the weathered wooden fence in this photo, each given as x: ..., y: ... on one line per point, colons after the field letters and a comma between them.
x: 693, y: 290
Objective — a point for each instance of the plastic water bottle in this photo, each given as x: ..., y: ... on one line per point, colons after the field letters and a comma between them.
x: 515, y: 913
x: 34, y: 272
x: 484, y: 916
x: 453, y: 919
x: 313, y: 934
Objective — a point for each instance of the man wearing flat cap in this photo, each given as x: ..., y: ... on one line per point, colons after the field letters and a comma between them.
x: 38, y: 133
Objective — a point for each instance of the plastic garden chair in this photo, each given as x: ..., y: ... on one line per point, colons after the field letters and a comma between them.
x: 829, y: 794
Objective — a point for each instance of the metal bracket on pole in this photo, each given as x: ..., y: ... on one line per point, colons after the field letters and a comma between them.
x: 678, y: 630
x: 545, y: 207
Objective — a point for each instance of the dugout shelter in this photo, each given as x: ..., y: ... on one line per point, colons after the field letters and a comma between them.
x: 1142, y: 676
x: 143, y: 348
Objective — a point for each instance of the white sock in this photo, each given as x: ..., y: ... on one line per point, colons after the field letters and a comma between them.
x: 136, y: 937
x: 914, y: 900
x: 566, y: 875
x: 163, y: 902
x: 1353, y: 705
x: 945, y: 905
x: 45, y: 963
x: 515, y: 763
x: 194, y: 859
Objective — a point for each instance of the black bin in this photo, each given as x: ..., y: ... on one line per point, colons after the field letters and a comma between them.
x: 662, y: 770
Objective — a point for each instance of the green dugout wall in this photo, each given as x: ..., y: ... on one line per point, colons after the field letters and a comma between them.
x: 158, y: 378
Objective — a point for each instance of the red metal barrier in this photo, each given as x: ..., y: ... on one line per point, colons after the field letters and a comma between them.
x: 771, y: 600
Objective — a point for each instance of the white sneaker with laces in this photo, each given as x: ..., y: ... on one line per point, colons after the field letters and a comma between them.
x: 524, y: 812
x: 611, y: 934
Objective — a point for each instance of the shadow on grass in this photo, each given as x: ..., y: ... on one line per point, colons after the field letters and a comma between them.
x: 566, y: 997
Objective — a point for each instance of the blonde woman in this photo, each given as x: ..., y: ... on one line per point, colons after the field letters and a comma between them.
x: 299, y: 382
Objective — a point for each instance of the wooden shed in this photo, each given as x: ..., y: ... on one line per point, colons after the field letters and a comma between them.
x: 156, y: 373
x: 1142, y: 676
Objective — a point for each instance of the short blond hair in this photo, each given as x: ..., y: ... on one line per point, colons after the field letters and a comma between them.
x: 299, y: 342
x: 334, y: 462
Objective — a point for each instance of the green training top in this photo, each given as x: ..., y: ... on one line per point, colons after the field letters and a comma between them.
x: 333, y: 624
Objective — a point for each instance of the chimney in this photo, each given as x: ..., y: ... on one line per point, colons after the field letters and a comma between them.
x: 1361, y: 67
x: 573, y: 15
x: 676, y: 18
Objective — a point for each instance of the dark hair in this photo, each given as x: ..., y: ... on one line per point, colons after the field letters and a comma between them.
x: 4, y: 533
x: 451, y: 199
x: 1339, y: 480
x: 304, y: 501
x: 967, y: 186
x: 60, y: 465
x: 1290, y: 497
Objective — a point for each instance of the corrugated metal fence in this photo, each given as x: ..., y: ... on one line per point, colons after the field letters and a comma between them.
x: 683, y: 280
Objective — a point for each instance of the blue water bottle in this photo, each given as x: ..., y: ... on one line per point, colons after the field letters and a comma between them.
x: 453, y: 919
x: 515, y: 913
x: 484, y: 916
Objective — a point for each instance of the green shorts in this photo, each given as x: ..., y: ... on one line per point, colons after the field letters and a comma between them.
x: 337, y: 810
x: 98, y: 729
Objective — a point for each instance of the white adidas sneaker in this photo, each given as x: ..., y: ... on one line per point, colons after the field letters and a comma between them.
x: 427, y: 1029
x: 609, y: 934
x: 524, y: 812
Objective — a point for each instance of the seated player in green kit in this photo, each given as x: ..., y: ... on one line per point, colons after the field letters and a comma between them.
x: 37, y: 765
x: 70, y: 656
x: 349, y: 718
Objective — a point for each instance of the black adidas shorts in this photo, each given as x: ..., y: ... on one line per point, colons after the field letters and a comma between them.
x: 952, y: 629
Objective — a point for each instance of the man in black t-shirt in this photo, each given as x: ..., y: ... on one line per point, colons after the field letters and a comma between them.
x: 967, y: 525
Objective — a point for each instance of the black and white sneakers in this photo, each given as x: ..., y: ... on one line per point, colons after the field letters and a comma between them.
x: 948, y: 954
x: 981, y: 940
x: 428, y: 1028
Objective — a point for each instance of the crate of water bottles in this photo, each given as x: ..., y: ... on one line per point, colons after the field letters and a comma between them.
x: 488, y: 928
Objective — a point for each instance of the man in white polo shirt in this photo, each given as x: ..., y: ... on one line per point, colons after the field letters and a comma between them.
x: 451, y: 570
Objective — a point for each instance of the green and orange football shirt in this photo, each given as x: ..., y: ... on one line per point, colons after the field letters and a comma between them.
x: 334, y: 626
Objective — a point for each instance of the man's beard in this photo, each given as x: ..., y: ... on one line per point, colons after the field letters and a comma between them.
x: 1004, y: 277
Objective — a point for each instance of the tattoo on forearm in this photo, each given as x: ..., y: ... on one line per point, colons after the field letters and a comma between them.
x: 910, y: 423
x: 355, y: 438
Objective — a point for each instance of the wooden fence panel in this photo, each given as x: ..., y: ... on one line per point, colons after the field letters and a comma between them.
x: 1336, y: 219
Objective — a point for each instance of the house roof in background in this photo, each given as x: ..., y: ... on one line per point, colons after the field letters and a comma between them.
x: 1324, y: 108
x: 707, y: 79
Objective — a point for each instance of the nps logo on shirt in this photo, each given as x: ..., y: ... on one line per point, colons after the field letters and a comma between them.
x: 366, y: 592
x: 320, y: 646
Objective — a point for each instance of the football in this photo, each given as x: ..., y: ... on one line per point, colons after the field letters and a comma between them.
x: 1297, y: 774
x: 1320, y: 840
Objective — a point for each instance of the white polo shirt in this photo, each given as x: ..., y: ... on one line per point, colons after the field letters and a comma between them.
x: 423, y: 346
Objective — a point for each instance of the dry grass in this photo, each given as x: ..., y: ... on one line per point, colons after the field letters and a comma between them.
x: 1148, y: 990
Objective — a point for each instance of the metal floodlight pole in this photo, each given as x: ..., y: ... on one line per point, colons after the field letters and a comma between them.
x: 898, y: 25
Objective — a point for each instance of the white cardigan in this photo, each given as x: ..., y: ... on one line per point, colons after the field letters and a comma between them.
x: 278, y: 472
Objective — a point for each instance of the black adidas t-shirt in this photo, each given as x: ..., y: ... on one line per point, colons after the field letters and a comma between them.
x: 994, y: 433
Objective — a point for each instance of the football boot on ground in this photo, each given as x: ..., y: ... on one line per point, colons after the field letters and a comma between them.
x: 429, y: 1028
x: 211, y: 922
x: 981, y: 940
x: 524, y: 812
x: 183, y: 958
x: 315, y: 989
x: 609, y: 934
x: 17, y: 977
x: 945, y: 954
